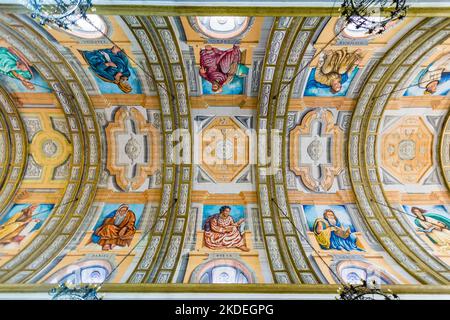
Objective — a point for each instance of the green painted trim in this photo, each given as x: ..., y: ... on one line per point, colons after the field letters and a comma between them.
x: 277, y: 81
x: 288, y: 264
x: 442, y: 137
x: 273, y: 117
x: 164, y: 165
x: 180, y: 172
x: 235, y: 288
x: 147, y: 10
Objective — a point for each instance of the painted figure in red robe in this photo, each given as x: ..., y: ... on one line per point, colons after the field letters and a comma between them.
x: 221, y: 232
x: 219, y: 66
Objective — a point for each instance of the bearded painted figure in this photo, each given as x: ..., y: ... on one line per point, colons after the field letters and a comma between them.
x: 330, y: 233
x: 110, y: 65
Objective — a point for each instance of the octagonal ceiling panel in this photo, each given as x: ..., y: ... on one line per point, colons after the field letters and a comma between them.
x: 406, y: 150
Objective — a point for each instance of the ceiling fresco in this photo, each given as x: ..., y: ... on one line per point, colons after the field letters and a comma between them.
x: 224, y: 149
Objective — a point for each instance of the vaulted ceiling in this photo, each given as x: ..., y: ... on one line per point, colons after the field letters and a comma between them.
x: 317, y: 116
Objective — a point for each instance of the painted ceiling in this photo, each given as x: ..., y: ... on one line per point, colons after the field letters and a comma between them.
x: 124, y: 138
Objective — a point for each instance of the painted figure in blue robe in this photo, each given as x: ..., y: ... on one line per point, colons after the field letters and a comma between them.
x: 110, y: 65
x: 435, y: 226
x: 335, y: 68
x: 330, y: 233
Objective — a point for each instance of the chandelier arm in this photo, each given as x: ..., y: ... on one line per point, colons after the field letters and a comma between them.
x: 363, y: 14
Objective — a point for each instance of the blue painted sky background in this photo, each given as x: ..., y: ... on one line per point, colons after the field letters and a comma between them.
x: 42, y: 212
x: 313, y: 91
x: 110, y: 207
x: 15, y: 85
x: 109, y: 88
x: 442, y: 89
x: 237, y: 211
x: 312, y: 212
x: 438, y: 209
x: 236, y: 86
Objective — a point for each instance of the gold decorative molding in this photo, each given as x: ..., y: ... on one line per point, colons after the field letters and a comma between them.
x: 36, y: 98
x: 83, y: 131
x: 230, y: 10
x: 246, y: 10
x: 295, y: 104
x: 109, y: 196
x: 44, y: 155
x: 226, y: 288
x: 158, y: 263
x: 443, y: 150
x: 49, y: 148
x: 432, y: 198
x: 15, y: 148
x: 348, y: 104
x: 206, y: 101
x: 340, y: 197
x: 435, y: 102
x: 287, y: 258
x: 243, y: 197
x: 340, y: 103
x: 28, y: 195
x: 108, y: 100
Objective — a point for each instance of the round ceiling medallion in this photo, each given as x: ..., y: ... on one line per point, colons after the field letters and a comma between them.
x: 353, y: 31
x: 221, y: 27
x: 49, y: 148
x: 407, y: 150
x: 92, y: 27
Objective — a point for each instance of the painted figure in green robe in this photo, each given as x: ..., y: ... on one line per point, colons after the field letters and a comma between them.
x: 435, y: 226
x: 14, y: 65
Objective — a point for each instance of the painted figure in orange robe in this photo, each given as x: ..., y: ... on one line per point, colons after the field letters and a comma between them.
x: 117, y: 229
x: 222, y: 232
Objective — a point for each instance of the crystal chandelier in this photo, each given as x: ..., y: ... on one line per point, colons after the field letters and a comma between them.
x: 68, y: 291
x: 373, y: 15
x: 62, y: 13
x: 364, y: 292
